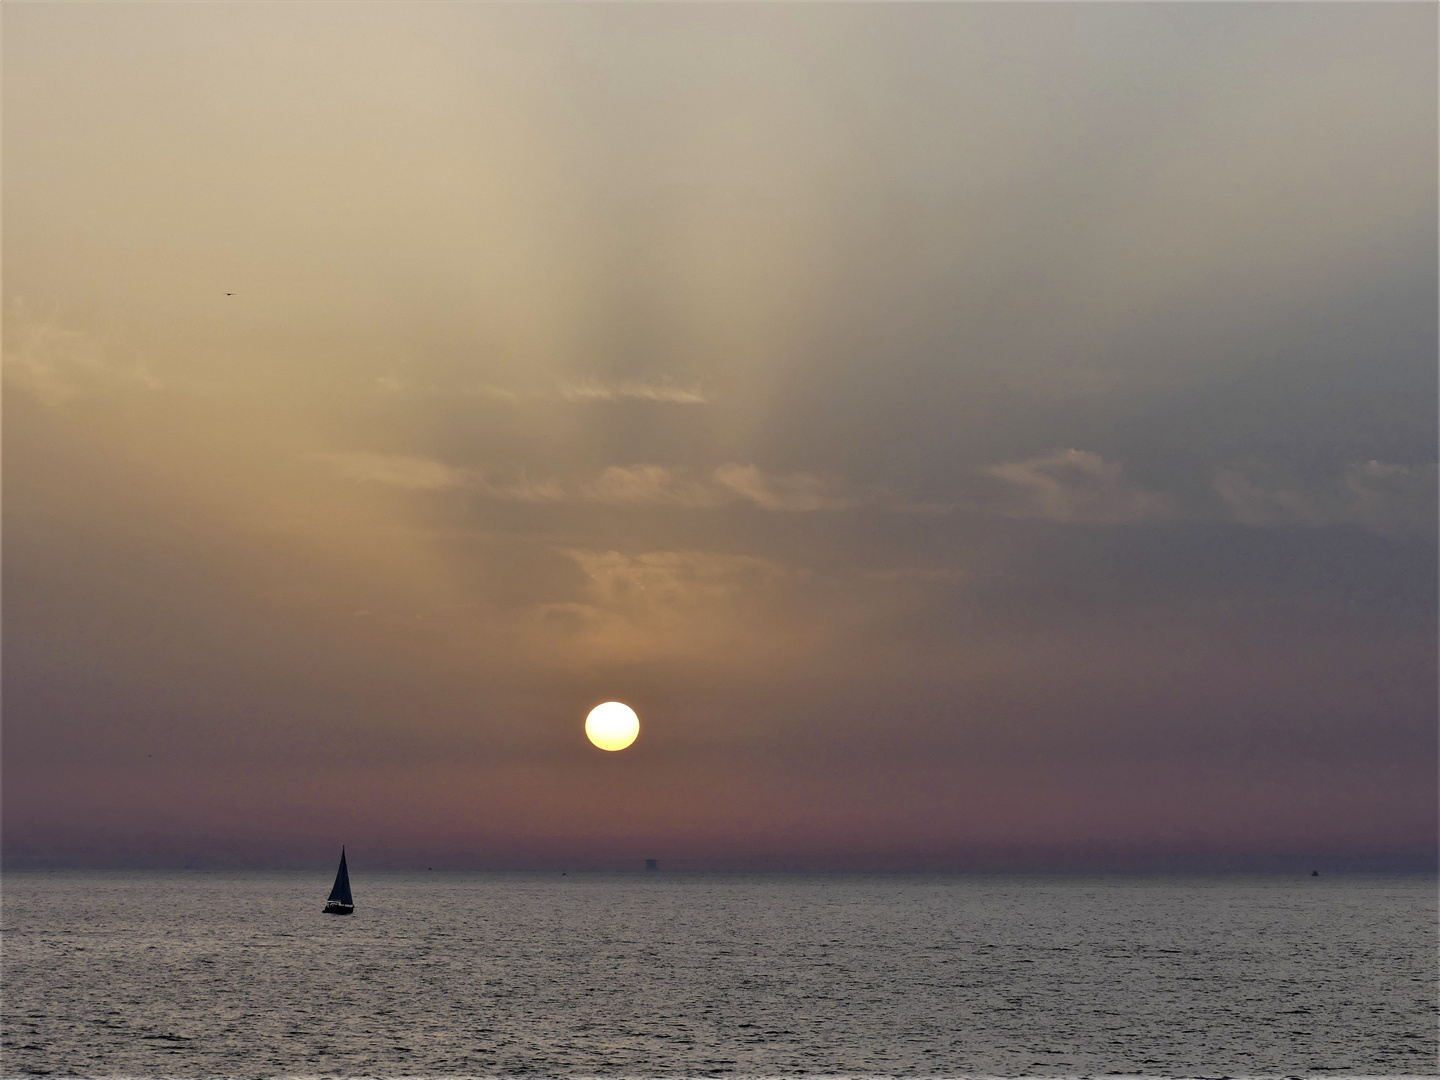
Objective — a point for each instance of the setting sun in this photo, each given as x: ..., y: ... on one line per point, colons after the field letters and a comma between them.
x: 612, y: 726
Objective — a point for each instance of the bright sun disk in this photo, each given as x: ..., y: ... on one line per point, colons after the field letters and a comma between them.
x: 612, y: 726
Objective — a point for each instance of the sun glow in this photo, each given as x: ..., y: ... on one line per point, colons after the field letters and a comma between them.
x: 612, y: 726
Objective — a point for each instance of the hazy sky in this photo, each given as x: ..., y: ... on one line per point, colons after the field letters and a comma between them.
x: 966, y: 434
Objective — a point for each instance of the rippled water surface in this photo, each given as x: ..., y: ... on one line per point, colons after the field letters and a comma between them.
x: 204, y: 974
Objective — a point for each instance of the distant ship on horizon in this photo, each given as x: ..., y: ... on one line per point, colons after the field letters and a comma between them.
x: 340, y: 901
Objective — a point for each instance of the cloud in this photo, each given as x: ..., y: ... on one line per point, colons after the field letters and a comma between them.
x: 670, y: 579
x: 651, y: 485
x: 670, y: 604
x: 1392, y: 499
x: 796, y: 491
x: 389, y: 386
x: 427, y: 474
x: 617, y: 485
x: 1253, y: 504
x: 634, y: 485
x: 593, y: 390
x: 1381, y: 497
x: 658, y: 485
x: 518, y: 487
x: 1073, y: 486
x: 728, y: 608
x: 56, y: 364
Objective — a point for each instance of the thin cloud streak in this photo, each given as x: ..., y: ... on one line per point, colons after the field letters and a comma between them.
x: 1380, y: 497
x: 1075, y: 486
x: 57, y: 364
x: 595, y: 390
x: 581, y: 390
x: 1066, y: 487
x: 796, y: 492
x: 635, y: 485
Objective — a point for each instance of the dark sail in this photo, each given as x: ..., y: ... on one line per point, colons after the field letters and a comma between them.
x: 341, y: 892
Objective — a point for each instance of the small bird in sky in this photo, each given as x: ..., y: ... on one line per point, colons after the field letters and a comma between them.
x: 229, y: 294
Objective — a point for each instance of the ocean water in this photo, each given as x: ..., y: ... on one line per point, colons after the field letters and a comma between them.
x: 684, y: 975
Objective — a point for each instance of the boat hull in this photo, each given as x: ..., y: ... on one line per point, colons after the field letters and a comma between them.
x: 334, y: 908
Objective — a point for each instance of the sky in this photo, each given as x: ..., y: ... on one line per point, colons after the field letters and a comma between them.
x: 971, y: 436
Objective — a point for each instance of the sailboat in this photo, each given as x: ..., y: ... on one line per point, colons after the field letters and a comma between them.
x: 340, y: 902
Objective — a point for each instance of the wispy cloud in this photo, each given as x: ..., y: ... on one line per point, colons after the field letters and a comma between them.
x: 663, y: 391
x: 1392, y: 499
x: 518, y: 486
x: 666, y: 579
x: 640, y: 485
x: 1384, y: 498
x: 668, y: 604
x: 595, y: 390
x: 634, y: 485
x: 1073, y: 486
x: 427, y: 474
x: 726, y: 607
x: 797, y: 491
x: 55, y: 364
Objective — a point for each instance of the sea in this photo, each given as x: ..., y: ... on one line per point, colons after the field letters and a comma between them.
x: 666, y: 974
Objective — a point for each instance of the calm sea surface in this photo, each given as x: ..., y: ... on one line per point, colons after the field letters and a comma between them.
x: 670, y: 974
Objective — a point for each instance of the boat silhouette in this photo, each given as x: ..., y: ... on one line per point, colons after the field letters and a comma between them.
x: 340, y: 902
